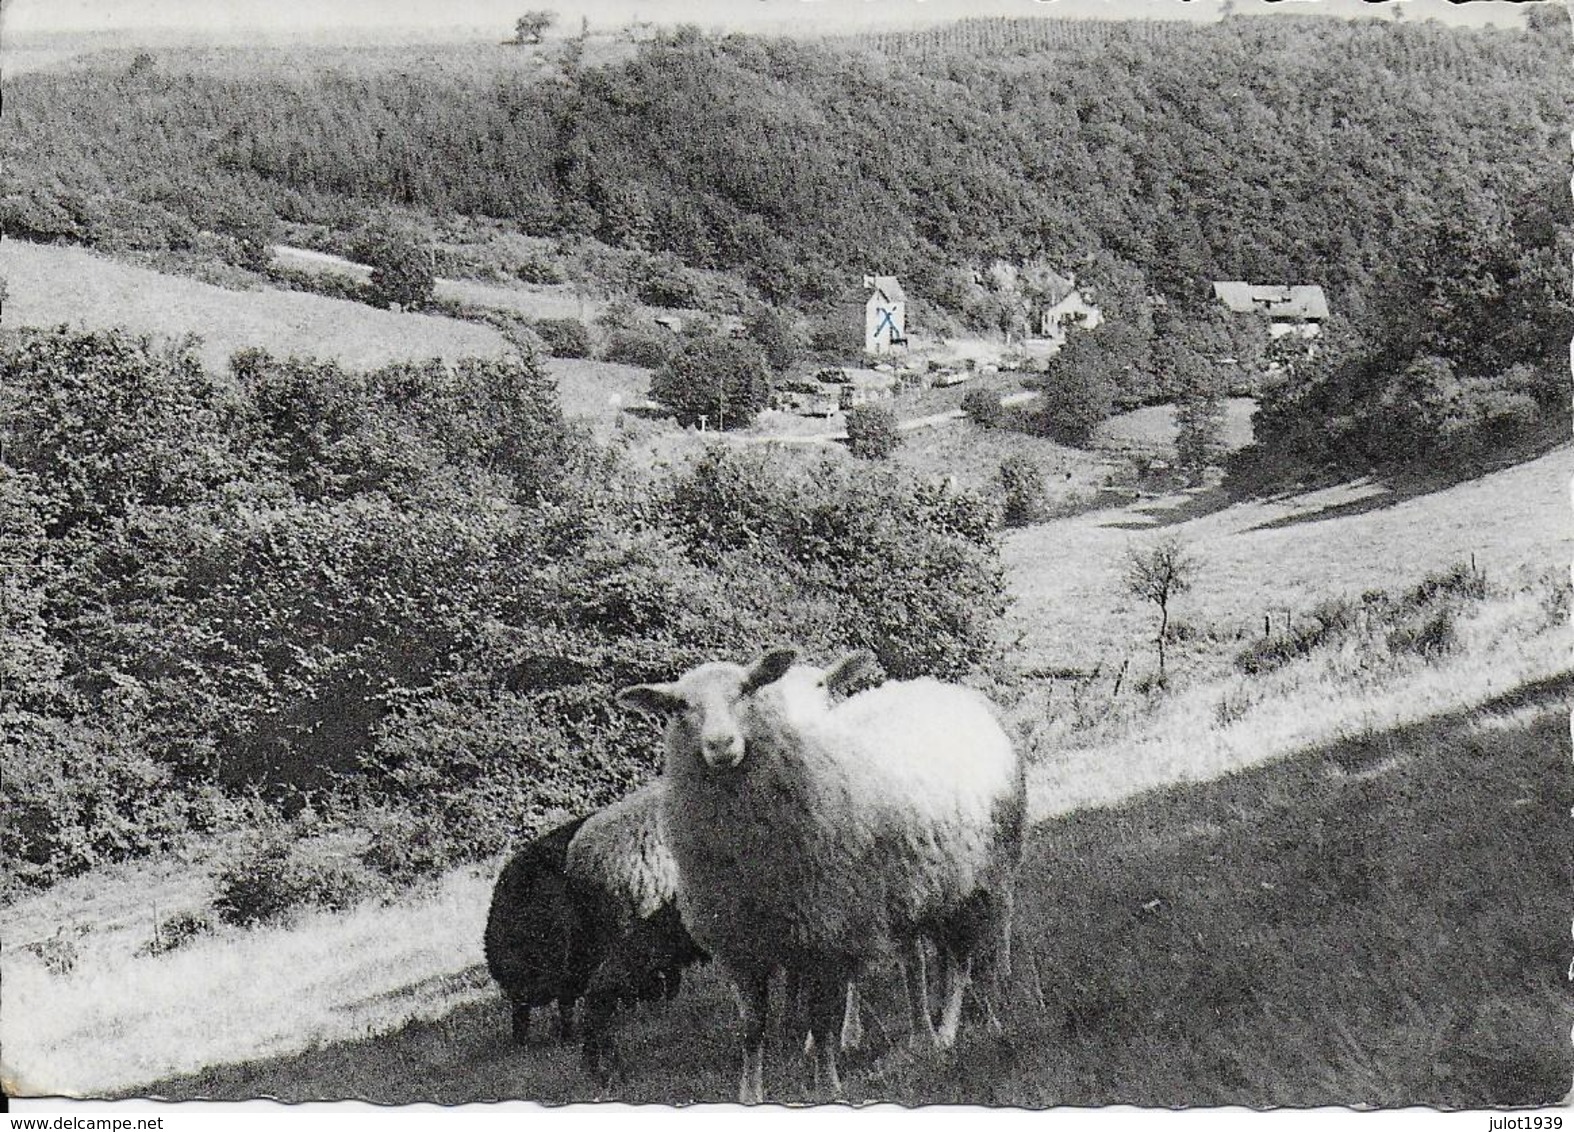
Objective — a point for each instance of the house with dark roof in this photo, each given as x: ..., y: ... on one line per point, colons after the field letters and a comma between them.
x: 1289, y: 310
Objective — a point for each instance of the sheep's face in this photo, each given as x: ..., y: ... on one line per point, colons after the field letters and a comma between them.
x: 704, y: 707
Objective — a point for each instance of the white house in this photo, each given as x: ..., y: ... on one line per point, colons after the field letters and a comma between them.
x: 885, y: 315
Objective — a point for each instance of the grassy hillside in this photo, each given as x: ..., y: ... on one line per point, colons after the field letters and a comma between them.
x: 1311, y: 920
x: 1374, y: 922
x: 48, y: 286
x: 1267, y: 556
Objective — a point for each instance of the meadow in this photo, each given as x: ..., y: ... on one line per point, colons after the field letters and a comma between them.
x: 1372, y: 922
x: 1324, y: 861
x: 1253, y: 858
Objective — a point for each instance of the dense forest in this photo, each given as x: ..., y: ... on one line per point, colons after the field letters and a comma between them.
x: 1272, y: 149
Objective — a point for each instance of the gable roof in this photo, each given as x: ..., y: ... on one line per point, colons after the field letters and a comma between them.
x: 886, y: 289
x: 1307, y: 302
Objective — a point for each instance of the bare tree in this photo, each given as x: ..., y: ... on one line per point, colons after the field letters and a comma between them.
x: 1157, y: 575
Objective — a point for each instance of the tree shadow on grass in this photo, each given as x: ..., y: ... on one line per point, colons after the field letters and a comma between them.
x: 1397, y: 487
x: 1172, y: 509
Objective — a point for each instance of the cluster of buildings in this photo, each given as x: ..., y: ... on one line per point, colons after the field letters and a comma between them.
x: 1057, y: 306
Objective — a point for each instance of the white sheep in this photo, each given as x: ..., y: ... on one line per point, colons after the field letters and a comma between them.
x: 814, y: 838
x: 624, y: 881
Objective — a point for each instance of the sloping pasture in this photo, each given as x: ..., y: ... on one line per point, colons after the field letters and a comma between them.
x: 1381, y: 921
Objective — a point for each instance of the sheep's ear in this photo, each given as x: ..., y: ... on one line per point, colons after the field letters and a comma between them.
x: 652, y: 699
x: 851, y: 669
x: 769, y: 669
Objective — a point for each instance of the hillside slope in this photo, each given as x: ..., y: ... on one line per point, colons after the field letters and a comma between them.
x: 1323, y: 931
x: 49, y: 285
x: 309, y: 995
x: 1263, y: 557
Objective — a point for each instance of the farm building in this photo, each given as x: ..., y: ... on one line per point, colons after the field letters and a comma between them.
x: 885, y: 315
x: 1060, y: 307
x: 1290, y: 310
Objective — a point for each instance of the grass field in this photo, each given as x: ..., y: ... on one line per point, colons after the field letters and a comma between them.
x: 1264, y: 557
x: 49, y: 285
x: 1379, y: 921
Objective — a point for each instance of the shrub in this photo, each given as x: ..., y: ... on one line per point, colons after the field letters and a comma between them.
x: 720, y: 379
x: 401, y: 270
x: 664, y: 282
x: 1461, y: 580
x: 77, y: 794
x: 1022, y: 480
x: 1074, y: 402
x: 412, y: 844
x: 776, y: 337
x: 565, y: 337
x: 872, y: 432
x: 537, y: 269
x: 330, y: 284
x: 254, y: 229
x: 1199, y: 441
x: 175, y: 932
x: 1329, y: 621
x: 983, y: 408
x: 1431, y: 636
x: 274, y: 873
x: 873, y: 557
x: 837, y: 336
x: 644, y: 348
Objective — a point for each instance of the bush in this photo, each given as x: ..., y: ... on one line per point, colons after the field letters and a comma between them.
x: 565, y: 337
x: 1022, y: 480
x: 1329, y: 621
x: 837, y: 336
x: 175, y: 932
x: 401, y: 270
x: 645, y: 348
x: 664, y: 282
x: 872, y: 432
x: 722, y: 380
x: 330, y: 284
x: 776, y: 337
x: 254, y: 229
x: 274, y: 873
x: 873, y: 557
x: 537, y: 269
x: 983, y: 408
x: 1431, y: 637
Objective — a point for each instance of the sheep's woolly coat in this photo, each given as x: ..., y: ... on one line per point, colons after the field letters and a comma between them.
x: 845, y: 829
x: 620, y: 851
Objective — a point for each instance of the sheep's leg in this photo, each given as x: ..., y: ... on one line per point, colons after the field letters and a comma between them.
x: 852, y: 1019
x: 957, y: 972
x: 793, y: 1025
x: 521, y: 1022
x: 825, y: 991
x: 754, y: 991
x: 565, y: 1018
x: 915, y: 979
